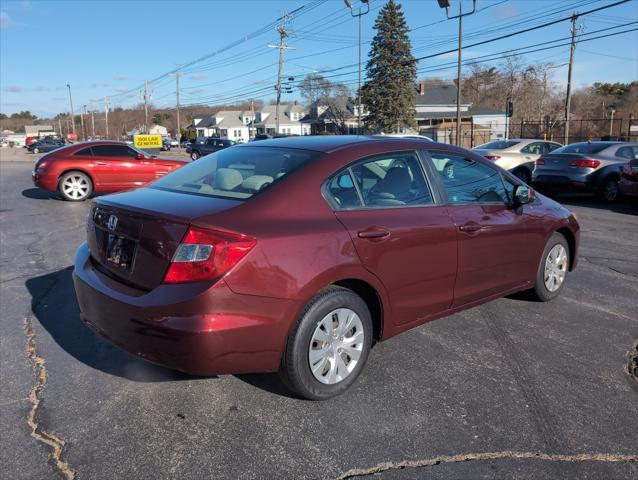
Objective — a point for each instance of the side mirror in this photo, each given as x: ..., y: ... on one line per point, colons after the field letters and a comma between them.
x: 139, y: 156
x: 523, y: 195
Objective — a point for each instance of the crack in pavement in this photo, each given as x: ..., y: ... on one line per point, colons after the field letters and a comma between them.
x: 40, y: 372
x: 472, y: 457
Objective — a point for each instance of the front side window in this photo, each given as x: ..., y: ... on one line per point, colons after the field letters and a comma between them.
x: 628, y: 153
x: 468, y: 181
x: 389, y: 180
x: 498, y: 145
x: 235, y: 173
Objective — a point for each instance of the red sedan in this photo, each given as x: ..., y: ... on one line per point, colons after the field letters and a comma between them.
x: 79, y: 170
x: 297, y: 254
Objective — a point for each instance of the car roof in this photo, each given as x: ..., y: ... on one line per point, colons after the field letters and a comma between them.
x: 327, y: 143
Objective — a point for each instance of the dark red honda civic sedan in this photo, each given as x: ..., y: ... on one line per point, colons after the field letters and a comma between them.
x: 297, y: 254
x: 79, y: 170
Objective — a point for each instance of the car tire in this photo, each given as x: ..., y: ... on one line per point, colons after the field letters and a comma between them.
x: 36, y: 150
x: 523, y: 174
x: 330, y: 348
x: 609, y: 190
x: 554, y: 264
x: 75, y: 186
x: 194, y: 156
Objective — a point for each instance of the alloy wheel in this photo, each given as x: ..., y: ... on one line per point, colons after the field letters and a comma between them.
x: 555, y: 268
x: 335, y: 346
x: 610, y: 190
x: 76, y: 187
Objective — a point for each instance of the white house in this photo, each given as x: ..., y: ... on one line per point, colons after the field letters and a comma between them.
x: 290, y: 120
x: 227, y: 124
x: 158, y: 130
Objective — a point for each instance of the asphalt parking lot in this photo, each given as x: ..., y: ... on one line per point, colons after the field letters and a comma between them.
x: 512, y: 389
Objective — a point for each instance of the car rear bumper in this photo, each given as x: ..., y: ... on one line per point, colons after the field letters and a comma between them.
x: 565, y: 181
x: 196, y: 328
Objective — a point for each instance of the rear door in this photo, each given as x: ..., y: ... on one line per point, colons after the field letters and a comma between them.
x: 492, y: 238
x: 400, y: 233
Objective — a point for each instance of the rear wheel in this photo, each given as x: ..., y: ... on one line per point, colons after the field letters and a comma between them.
x: 75, y: 186
x: 609, y: 190
x: 523, y: 174
x: 328, y: 346
x: 36, y: 150
x: 552, y: 270
x: 194, y: 155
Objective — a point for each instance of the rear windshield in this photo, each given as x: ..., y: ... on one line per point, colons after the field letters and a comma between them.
x: 236, y: 172
x: 498, y: 144
x: 582, y: 148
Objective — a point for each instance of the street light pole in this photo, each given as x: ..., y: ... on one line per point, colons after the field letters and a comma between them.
x: 446, y: 4
x: 360, y: 13
x: 71, y: 102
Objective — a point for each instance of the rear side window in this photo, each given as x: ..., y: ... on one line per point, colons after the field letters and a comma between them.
x: 390, y: 180
x: 582, y: 148
x: 85, y: 152
x: 536, y: 148
x: 236, y: 173
x: 468, y: 181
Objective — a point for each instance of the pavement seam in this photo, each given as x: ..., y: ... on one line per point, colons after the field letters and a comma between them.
x: 472, y: 457
x: 598, y: 307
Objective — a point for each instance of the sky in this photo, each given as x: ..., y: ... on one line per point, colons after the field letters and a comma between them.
x: 109, y: 48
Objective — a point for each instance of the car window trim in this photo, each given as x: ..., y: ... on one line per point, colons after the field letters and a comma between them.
x: 337, y: 208
x: 445, y: 199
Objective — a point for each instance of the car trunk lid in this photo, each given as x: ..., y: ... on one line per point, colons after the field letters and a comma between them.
x: 557, y: 162
x: 133, y: 235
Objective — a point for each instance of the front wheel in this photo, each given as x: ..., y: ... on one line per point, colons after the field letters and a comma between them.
x: 36, y: 150
x: 75, y: 186
x: 523, y: 174
x: 552, y: 271
x: 194, y: 156
x: 328, y: 346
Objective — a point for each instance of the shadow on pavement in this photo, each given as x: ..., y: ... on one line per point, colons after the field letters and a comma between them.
x: 40, y: 194
x: 591, y: 201
x: 54, y: 304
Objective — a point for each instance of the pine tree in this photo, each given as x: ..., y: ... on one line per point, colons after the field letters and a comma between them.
x: 389, y: 94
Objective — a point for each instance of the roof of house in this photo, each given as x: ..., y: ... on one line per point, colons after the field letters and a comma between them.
x: 471, y: 112
x: 230, y: 119
x: 438, y: 94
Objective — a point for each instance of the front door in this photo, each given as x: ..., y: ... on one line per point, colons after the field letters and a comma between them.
x: 399, y: 233
x: 492, y: 237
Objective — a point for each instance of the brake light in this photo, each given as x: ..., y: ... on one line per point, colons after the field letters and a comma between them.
x: 207, y: 255
x: 629, y: 169
x: 492, y: 157
x: 539, y: 161
x: 584, y: 163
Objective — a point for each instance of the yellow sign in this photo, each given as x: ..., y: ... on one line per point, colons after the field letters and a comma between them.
x: 148, y: 141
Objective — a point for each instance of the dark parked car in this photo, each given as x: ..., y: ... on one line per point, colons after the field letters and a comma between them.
x: 210, y: 145
x: 588, y: 166
x: 628, y: 183
x: 297, y: 254
x: 45, y: 145
x: 166, y: 145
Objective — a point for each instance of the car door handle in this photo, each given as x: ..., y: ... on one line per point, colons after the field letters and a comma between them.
x: 100, y: 163
x: 470, y: 227
x: 373, y: 233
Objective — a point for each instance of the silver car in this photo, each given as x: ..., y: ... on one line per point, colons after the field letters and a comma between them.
x: 516, y: 155
x: 589, y: 166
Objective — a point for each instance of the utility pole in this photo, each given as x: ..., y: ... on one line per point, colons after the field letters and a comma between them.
x: 82, y: 121
x: 568, y: 99
x: 145, y: 97
x: 252, y: 120
x: 281, y: 46
x: 71, y: 102
x: 93, y: 124
x: 359, y: 14
x: 177, y: 130
x: 106, y: 117
x: 60, y: 126
x: 446, y: 4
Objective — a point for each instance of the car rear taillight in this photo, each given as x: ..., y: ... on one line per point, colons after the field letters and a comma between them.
x: 492, y: 157
x: 630, y: 168
x: 584, y: 163
x: 539, y: 161
x: 207, y: 255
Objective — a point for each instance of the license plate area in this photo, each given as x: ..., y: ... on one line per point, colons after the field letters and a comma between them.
x: 120, y: 251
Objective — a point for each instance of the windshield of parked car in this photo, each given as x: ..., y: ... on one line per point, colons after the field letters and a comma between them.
x: 582, y: 148
x: 498, y: 145
x: 236, y: 172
